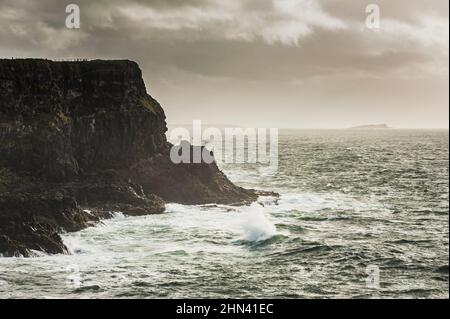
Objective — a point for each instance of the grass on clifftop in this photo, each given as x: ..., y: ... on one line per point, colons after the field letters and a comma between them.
x: 145, y: 102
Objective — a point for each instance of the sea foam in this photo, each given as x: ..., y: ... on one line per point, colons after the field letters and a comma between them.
x: 257, y: 226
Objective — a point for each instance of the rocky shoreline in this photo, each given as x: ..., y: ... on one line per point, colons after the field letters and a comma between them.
x: 81, y: 140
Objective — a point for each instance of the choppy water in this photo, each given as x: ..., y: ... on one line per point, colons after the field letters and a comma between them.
x: 354, y: 205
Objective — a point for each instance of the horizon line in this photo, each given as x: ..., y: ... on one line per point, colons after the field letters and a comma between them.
x: 310, y: 128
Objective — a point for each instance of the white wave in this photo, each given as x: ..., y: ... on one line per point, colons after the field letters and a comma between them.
x: 257, y: 226
x: 180, y: 208
x: 118, y: 215
x: 37, y: 253
x: 77, y: 245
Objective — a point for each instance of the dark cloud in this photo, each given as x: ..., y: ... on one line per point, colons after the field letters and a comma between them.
x: 280, y: 47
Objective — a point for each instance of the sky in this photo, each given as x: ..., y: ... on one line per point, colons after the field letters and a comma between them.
x: 258, y: 63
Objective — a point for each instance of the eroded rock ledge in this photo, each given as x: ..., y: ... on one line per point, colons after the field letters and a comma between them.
x: 80, y: 140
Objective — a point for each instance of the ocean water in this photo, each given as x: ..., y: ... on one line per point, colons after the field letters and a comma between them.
x: 362, y: 214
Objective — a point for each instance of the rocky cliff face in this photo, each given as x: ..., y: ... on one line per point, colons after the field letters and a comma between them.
x: 79, y: 140
x: 63, y: 119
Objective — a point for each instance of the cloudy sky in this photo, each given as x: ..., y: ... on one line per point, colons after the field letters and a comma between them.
x: 265, y: 63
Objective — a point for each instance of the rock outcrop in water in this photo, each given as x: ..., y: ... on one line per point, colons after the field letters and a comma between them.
x: 80, y: 140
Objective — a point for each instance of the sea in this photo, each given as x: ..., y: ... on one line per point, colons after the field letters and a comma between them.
x: 361, y: 214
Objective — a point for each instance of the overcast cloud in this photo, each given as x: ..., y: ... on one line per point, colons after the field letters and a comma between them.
x: 278, y: 63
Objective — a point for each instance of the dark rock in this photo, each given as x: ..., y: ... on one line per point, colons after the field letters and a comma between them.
x: 79, y: 140
x: 63, y: 118
x: 188, y: 183
x: 31, y: 219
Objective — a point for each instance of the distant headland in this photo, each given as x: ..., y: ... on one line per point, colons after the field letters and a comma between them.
x: 371, y: 127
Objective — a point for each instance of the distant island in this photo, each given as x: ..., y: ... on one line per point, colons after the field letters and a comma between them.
x: 371, y: 127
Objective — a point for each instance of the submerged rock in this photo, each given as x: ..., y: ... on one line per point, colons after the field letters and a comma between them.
x: 86, y: 135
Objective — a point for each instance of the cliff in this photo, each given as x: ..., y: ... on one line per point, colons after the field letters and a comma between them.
x: 80, y: 140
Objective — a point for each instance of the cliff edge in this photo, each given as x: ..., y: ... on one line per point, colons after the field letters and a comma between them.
x: 81, y: 140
